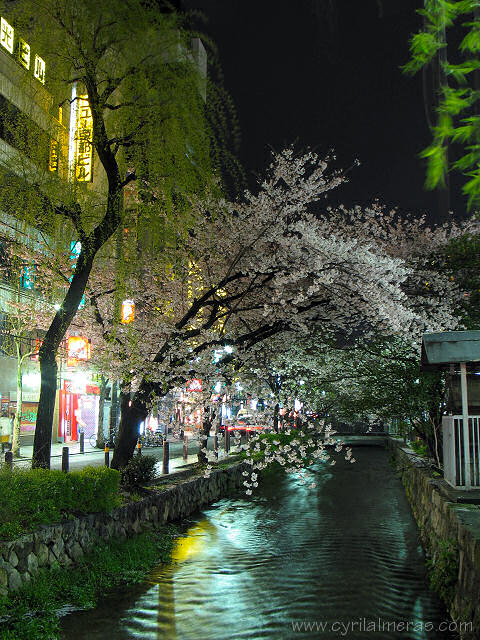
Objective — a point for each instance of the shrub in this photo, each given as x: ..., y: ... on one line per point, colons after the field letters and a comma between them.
x: 419, y: 447
x: 139, y: 470
x: 97, y: 489
x: 30, y: 498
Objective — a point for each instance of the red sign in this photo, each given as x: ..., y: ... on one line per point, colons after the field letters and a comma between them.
x: 194, y: 385
x: 92, y: 389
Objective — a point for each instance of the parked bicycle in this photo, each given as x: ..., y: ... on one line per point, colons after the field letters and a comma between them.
x: 153, y: 438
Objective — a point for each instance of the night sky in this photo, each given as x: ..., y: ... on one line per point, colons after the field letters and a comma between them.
x: 325, y: 74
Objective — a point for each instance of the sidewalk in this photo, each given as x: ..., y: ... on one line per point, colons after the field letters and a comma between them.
x: 96, y: 457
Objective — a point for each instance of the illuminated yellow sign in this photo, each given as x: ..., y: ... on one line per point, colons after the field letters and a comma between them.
x: 39, y: 69
x: 22, y: 50
x: 6, y: 35
x: 83, y: 141
x: 53, y: 156
x: 24, y: 55
x: 78, y: 348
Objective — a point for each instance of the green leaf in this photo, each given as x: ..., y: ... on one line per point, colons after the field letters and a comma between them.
x: 472, y: 188
x: 437, y: 165
x: 423, y: 47
x: 454, y: 101
x: 471, y: 42
x: 459, y: 71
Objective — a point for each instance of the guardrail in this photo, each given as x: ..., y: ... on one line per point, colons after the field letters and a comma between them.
x: 461, y: 451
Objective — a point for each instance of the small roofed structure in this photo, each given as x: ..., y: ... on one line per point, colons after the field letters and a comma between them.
x: 449, y: 347
x: 458, y: 350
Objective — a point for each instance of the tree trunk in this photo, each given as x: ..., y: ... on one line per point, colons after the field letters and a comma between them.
x: 276, y: 412
x: 204, y: 433
x: 100, y: 443
x: 113, y: 423
x: 48, y: 366
x: 130, y: 418
x: 43, y: 431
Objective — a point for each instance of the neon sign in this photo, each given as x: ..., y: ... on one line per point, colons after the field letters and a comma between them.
x: 83, y: 141
x: 53, y: 156
x: 35, y: 348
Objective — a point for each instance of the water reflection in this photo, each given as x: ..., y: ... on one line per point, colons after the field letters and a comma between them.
x: 344, y: 554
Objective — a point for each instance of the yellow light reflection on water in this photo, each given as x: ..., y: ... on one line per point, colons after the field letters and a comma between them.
x: 194, y: 541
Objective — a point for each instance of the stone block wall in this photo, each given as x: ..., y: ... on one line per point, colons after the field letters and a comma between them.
x: 64, y: 544
x: 442, y: 521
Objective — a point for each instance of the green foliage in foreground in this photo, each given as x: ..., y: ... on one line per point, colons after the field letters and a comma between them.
x: 139, y: 470
x: 30, y: 498
x: 30, y: 614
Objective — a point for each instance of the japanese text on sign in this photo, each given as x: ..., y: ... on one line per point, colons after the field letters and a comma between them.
x: 53, y: 156
x: 39, y: 69
x: 83, y: 141
x: 22, y: 50
x: 6, y: 35
x: 24, y: 54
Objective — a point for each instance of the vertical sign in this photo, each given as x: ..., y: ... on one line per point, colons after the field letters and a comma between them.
x: 39, y: 69
x: 6, y: 35
x: 53, y: 156
x: 24, y: 54
x: 83, y: 141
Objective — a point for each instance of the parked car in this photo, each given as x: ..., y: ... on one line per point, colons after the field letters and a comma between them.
x: 243, y: 423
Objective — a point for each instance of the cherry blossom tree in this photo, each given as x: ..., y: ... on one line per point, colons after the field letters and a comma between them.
x: 278, y: 262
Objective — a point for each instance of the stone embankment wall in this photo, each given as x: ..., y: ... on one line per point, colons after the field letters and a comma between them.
x: 445, y: 525
x: 65, y: 543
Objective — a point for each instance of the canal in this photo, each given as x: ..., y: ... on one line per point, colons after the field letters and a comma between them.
x: 341, y: 560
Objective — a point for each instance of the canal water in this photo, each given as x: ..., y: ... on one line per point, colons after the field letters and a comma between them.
x: 341, y: 560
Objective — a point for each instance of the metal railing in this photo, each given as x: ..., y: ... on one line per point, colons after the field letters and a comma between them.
x: 461, y: 451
